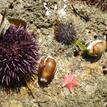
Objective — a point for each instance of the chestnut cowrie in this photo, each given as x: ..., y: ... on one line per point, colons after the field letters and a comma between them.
x: 96, y: 47
x: 47, y: 68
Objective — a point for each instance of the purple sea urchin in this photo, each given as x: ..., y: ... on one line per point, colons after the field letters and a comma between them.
x: 64, y: 33
x: 18, y: 56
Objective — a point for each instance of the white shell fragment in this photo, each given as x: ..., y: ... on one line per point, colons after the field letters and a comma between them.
x: 3, y: 25
x: 96, y: 47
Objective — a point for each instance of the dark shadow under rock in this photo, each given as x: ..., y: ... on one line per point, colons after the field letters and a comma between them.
x: 91, y: 59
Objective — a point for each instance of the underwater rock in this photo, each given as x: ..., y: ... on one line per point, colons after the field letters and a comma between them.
x: 12, y: 103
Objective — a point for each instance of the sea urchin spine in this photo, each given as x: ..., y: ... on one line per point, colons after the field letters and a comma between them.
x: 18, y: 56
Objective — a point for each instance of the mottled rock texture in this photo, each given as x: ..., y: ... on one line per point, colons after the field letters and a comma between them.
x: 93, y: 83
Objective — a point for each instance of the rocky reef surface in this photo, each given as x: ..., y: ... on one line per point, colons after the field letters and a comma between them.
x: 89, y: 22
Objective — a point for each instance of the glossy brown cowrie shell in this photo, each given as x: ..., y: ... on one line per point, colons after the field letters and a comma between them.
x: 47, y: 68
x: 96, y: 47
